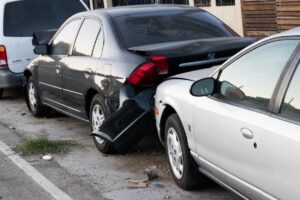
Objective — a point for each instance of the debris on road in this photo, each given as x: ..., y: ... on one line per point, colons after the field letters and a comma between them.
x: 138, y: 181
x: 151, y: 176
x: 139, y: 185
x: 159, y: 185
x: 167, y: 197
x: 47, y: 157
x: 146, y: 180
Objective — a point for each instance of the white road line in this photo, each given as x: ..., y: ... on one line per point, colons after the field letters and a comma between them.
x: 41, y: 180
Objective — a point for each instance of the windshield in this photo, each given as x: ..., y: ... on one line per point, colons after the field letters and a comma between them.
x: 23, y: 18
x: 170, y: 26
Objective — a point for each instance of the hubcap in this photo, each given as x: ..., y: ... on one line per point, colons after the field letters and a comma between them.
x: 97, y: 120
x: 32, y: 96
x: 175, y: 153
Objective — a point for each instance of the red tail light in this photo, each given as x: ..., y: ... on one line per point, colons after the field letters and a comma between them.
x: 147, y: 73
x: 162, y: 64
x: 3, y: 56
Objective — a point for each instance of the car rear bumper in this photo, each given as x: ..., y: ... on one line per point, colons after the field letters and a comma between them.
x: 10, y: 80
x: 129, y: 124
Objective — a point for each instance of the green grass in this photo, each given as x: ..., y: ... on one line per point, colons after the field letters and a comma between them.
x: 43, y: 146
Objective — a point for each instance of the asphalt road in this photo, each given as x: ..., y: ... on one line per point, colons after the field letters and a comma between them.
x: 15, y: 184
x: 84, y: 173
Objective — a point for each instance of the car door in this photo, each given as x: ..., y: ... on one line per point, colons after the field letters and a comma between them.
x: 79, y: 67
x: 51, y: 67
x: 232, y: 127
x: 280, y: 144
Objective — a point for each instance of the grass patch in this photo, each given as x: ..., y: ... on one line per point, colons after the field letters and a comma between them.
x: 43, y: 146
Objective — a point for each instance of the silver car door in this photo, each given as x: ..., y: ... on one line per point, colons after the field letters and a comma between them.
x: 229, y: 126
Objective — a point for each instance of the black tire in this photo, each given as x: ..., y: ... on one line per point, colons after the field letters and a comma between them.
x: 37, y: 109
x: 1, y: 93
x: 190, y: 176
x: 104, y: 146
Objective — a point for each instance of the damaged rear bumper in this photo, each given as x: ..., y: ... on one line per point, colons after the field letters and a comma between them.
x: 129, y: 124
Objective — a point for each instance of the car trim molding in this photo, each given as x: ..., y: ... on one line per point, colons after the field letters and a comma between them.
x: 62, y: 105
x: 78, y: 93
x: 203, y: 62
x: 202, y: 161
x: 53, y: 86
x: 65, y: 112
x: 60, y: 88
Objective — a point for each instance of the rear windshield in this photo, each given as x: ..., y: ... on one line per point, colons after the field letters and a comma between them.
x: 23, y: 18
x: 169, y: 26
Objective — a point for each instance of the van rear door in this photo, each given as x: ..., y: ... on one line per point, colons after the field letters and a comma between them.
x: 23, y: 18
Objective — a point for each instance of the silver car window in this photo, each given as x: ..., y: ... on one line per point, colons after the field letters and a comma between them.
x: 250, y: 81
x: 291, y: 104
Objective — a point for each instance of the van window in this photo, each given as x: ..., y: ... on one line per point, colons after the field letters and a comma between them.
x: 23, y: 18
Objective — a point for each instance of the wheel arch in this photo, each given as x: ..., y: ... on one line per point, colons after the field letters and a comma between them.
x: 88, y: 100
x: 27, y: 73
x: 169, y: 110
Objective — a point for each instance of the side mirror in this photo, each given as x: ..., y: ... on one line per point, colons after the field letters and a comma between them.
x: 203, y: 87
x: 41, y: 49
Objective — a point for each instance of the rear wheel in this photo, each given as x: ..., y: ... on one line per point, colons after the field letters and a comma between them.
x: 98, y: 113
x: 33, y: 100
x: 183, y: 167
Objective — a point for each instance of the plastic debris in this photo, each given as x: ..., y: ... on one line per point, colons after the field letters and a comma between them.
x: 138, y: 181
x: 151, y: 176
x: 47, y: 157
x: 158, y: 185
x: 139, y: 185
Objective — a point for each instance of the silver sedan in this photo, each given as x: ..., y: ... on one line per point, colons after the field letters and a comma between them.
x: 238, y: 123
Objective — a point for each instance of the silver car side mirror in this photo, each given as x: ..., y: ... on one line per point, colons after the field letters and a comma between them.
x: 203, y: 87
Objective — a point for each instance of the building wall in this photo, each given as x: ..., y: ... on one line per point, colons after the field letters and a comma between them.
x: 231, y: 15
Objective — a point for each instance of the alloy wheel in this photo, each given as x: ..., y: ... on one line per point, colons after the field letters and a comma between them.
x: 32, y: 96
x: 175, y: 153
x: 97, y: 120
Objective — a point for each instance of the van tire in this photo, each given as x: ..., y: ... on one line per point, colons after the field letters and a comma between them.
x: 33, y: 100
x: 98, y: 109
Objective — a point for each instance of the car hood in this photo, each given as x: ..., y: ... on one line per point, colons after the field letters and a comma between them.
x: 197, y: 74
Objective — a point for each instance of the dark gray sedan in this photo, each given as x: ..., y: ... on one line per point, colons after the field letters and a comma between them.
x: 98, y: 59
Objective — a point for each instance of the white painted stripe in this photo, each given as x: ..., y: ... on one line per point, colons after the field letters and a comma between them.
x: 41, y: 180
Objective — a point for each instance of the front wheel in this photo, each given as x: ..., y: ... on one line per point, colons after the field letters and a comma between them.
x: 98, y: 113
x: 183, y: 167
x: 34, y: 101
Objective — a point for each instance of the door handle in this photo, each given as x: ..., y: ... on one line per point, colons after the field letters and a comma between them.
x: 58, y: 66
x: 86, y: 73
x: 246, y: 133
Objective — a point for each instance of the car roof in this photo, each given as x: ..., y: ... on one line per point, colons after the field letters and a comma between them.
x: 129, y: 10
x: 292, y: 32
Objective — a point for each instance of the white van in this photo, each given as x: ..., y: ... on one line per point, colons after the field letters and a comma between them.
x: 18, y: 21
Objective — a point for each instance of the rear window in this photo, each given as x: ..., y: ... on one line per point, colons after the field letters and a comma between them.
x: 23, y: 18
x: 169, y: 26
